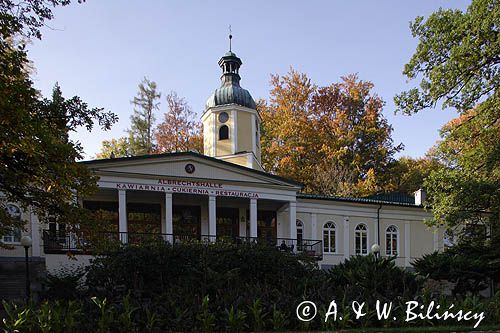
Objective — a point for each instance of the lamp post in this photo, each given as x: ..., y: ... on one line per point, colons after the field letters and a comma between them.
x: 26, y: 243
x: 376, y: 250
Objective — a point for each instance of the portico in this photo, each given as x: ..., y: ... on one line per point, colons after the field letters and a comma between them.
x: 214, y: 215
x: 236, y: 202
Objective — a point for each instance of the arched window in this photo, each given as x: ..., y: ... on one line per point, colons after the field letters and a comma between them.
x: 391, y: 241
x: 300, y: 234
x: 329, y: 238
x: 361, y: 239
x: 14, y: 234
x: 223, y: 132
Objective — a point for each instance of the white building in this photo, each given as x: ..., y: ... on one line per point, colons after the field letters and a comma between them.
x: 226, y: 194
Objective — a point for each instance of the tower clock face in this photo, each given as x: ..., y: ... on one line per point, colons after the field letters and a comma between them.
x: 223, y: 117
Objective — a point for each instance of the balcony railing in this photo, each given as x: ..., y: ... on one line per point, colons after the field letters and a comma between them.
x: 78, y: 243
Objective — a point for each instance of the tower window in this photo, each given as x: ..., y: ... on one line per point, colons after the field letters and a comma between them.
x: 223, y: 132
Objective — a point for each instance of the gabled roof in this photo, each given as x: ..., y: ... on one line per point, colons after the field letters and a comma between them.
x: 97, y: 163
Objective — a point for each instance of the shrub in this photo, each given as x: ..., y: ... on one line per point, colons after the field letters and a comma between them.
x: 371, y: 279
x: 64, y: 284
x: 470, y: 265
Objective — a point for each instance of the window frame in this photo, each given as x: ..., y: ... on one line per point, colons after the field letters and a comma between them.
x: 15, y: 231
x: 392, y: 234
x: 362, y: 233
x: 331, y: 228
x: 226, y: 129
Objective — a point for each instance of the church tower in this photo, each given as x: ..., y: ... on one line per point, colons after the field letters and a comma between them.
x: 231, y: 123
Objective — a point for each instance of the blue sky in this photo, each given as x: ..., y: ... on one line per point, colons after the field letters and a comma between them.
x: 101, y: 50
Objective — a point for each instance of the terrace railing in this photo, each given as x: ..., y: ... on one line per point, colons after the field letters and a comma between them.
x: 80, y: 243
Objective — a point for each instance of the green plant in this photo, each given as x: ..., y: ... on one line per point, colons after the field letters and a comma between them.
x: 152, y: 321
x: 278, y: 319
x: 105, y: 319
x: 64, y: 284
x: 16, y: 319
x: 206, y: 319
x: 370, y: 278
x: 235, y: 320
x: 257, y: 315
x: 125, y: 318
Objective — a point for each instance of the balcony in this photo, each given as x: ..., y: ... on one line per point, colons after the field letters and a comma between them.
x: 54, y: 243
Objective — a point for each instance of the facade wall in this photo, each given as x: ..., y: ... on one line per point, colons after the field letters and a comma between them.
x: 412, y: 233
x: 61, y: 262
x: 414, y: 237
x: 244, y: 131
x: 30, y: 226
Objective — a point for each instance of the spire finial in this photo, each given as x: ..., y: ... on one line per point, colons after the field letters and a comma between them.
x: 230, y: 37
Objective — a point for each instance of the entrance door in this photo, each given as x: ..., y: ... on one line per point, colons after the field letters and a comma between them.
x: 186, y: 222
x: 227, y: 222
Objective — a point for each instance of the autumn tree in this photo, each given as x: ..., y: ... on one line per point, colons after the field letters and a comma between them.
x: 178, y: 131
x: 38, y: 160
x: 457, y: 62
x: 334, y: 139
x: 142, y: 120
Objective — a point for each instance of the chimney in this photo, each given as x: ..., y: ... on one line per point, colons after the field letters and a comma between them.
x: 420, y: 197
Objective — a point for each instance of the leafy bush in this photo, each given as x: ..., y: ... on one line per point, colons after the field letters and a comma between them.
x: 222, y: 287
x: 369, y: 278
x: 64, y: 284
x: 470, y: 265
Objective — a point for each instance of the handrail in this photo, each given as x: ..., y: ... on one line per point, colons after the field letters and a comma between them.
x: 81, y: 243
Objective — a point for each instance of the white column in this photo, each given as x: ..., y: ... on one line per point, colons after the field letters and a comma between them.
x: 242, y: 221
x: 407, y: 244
x: 35, y: 234
x: 375, y: 234
x: 292, y: 219
x: 212, y: 218
x: 314, y: 226
x: 122, y: 215
x: 169, y: 228
x: 253, y: 218
x: 347, y: 238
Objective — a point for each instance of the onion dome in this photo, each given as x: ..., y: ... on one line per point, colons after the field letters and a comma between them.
x: 230, y: 91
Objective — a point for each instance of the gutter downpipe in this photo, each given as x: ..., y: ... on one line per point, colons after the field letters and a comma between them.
x: 378, y: 223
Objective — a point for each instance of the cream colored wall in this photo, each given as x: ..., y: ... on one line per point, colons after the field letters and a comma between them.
x: 244, y: 128
x: 224, y: 147
x: 58, y: 262
x: 176, y: 168
x: 239, y: 159
x: 421, y: 240
x: 208, y: 136
x: 16, y: 249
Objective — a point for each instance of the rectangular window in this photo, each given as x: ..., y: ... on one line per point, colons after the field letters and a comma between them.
x: 13, y: 236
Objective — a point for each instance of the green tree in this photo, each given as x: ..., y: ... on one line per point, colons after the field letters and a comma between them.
x: 114, y: 148
x: 38, y: 160
x: 334, y: 139
x: 142, y: 121
x: 408, y: 174
x: 458, y: 60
